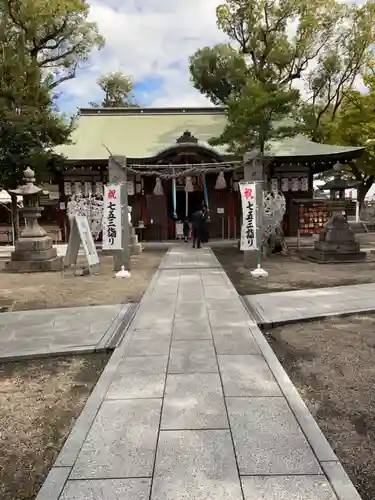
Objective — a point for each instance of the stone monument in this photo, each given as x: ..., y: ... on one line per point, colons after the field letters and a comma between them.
x: 34, y: 251
x: 337, y: 241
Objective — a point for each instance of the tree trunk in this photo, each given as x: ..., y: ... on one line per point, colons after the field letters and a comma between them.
x: 362, y: 190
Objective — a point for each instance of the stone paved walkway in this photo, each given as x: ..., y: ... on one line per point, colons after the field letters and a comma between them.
x: 29, y: 334
x: 271, y: 309
x: 194, y: 405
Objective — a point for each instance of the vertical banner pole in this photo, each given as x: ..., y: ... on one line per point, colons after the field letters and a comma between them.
x: 174, y: 196
x: 117, y: 175
x: 252, y: 209
x: 125, y: 221
x: 205, y: 193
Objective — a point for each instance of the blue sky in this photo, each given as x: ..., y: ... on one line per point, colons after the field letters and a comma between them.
x: 150, y: 40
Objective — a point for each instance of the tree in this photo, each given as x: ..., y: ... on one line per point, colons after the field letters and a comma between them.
x: 254, y: 80
x: 257, y: 114
x: 118, y: 91
x: 266, y: 50
x: 56, y: 35
x: 277, y: 43
x: 353, y: 124
x: 336, y: 111
x: 30, y: 127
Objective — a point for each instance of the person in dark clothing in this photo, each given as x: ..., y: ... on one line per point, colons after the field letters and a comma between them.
x: 186, y: 229
x: 198, y: 223
x: 205, y: 226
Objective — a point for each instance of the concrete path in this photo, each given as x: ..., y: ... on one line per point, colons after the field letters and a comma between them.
x: 194, y: 405
x: 271, y: 309
x: 30, y: 334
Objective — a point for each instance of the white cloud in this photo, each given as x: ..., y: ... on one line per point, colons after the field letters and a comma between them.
x: 149, y: 39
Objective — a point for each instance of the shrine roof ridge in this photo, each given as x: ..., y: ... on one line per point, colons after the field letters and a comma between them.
x: 205, y: 110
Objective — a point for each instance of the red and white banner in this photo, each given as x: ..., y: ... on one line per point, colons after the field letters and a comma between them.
x: 112, y: 227
x: 249, y: 210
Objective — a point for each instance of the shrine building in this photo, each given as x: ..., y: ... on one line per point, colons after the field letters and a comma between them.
x: 157, y: 137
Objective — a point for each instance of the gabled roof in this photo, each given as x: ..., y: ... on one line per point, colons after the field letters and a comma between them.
x: 299, y: 146
x: 144, y: 133
x: 139, y: 133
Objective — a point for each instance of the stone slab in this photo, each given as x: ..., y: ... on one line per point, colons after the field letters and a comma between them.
x: 121, y: 442
x: 287, y: 488
x: 271, y: 309
x: 247, y: 375
x: 107, y: 489
x: 234, y: 340
x: 196, y: 465
x: 340, y: 481
x: 188, y: 310
x: 194, y: 401
x: 135, y: 379
x: 73, y: 444
x: 190, y: 329
x: 30, y: 334
x: 54, y: 484
x: 157, y: 346
x: 192, y: 356
x: 317, y: 440
x: 268, y: 439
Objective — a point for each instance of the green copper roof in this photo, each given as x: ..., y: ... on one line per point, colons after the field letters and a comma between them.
x: 300, y: 146
x: 137, y: 135
x: 144, y: 133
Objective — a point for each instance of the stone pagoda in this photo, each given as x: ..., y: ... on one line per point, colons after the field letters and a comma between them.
x: 34, y: 251
x: 337, y: 241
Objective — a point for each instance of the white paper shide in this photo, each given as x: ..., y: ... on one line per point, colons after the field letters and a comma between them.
x: 248, y: 230
x: 112, y: 230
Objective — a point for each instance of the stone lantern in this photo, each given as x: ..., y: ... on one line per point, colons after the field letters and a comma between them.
x: 34, y: 251
x: 337, y: 242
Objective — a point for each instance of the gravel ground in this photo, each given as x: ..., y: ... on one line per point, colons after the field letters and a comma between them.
x: 39, y: 403
x: 331, y: 362
x: 291, y: 273
x: 20, y: 292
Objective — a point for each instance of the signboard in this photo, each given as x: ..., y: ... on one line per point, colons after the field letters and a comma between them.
x: 312, y: 218
x: 220, y: 211
x: 112, y: 230
x: 249, y: 229
x: 81, y: 234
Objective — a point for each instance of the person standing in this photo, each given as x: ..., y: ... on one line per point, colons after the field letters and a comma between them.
x: 198, y: 223
x: 205, y: 224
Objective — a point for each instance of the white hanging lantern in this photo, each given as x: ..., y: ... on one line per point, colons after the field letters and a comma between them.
x: 221, y: 183
x: 98, y: 189
x: 87, y: 188
x: 67, y: 188
x: 189, y: 186
x: 158, y: 189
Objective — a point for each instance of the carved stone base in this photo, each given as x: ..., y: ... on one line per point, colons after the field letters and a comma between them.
x: 135, y: 247
x: 32, y: 255
x: 337, y: 243
x: 326, y: 257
